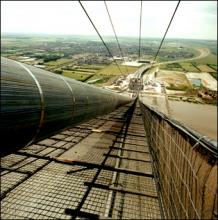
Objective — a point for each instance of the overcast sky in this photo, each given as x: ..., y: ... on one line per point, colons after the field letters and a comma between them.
x: 194, y: 19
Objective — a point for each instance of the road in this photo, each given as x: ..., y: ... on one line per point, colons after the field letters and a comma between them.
x: 203, y: 53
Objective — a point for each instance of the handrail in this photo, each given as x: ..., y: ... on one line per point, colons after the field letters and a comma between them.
x: 209, y: 144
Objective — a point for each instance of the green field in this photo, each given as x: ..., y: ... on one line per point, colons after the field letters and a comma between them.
x: 111, y: 72
x: 206, y: 64
x: 188, y: 67
x: 77, y: 76
x: 92, y: 67
x: 58, y: 62
x: 213, y: 66
x: 205, y: 68
x: 63, y: 55
x: 172, y: 66
x: 91, y: 72
x: 210, y: 59
x: 85, y: 70
x: 103, y: 74
x: 112, y: 69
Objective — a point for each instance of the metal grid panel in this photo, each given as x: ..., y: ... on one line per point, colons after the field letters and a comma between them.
x: 130, y: 146
x: 105, y: 177
x: 30, y: 165
x: 8, y: 180
x: 34, y: 149
x: 137, y: 155
x: 95, y: 202
x: 48, y: 192
x: 11, y: 160
x: 128, y: 206
x: 50, y: 189
x: 137, y: 183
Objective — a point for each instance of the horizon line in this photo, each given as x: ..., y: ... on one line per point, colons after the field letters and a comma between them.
x: 87, y: 35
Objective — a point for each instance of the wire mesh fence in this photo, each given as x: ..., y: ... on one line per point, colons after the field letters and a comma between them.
x: 186, y: 167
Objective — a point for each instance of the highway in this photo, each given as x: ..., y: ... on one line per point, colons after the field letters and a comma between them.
x: 204, y: 52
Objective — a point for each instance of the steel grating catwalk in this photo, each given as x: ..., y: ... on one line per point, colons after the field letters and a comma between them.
x: 99, y: 169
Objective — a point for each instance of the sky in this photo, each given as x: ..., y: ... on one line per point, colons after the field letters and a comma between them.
x: 193, y: 19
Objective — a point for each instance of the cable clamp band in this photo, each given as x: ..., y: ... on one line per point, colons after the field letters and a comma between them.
x: 42, y: 103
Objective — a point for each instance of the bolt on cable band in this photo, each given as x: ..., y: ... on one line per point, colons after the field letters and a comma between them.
x: 42, y: 101
x: 73, y: 98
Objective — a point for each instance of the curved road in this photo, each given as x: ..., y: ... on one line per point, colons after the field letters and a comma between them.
x: 203, y: 53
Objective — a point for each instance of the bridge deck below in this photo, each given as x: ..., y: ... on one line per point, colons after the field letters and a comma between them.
x: 101, y: 169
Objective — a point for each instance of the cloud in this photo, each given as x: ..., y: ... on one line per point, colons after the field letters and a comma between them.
x: 194, y: 19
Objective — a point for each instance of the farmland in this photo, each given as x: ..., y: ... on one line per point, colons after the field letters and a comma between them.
x: 112, y: 71
x: 210, y: 59
x: 174, y: 80
x: 77, y: 76
x: 189, y: 67
x: 205, y: 68
x: 207, y: 64
x: 85, y: 58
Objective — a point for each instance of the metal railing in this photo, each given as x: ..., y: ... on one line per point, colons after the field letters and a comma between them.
x: 185, y: 164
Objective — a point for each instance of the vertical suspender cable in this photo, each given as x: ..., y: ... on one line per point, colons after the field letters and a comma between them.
x: 140, y: 28
x: 99, y: 35
x: 166, y: 31
x: 118, y: 44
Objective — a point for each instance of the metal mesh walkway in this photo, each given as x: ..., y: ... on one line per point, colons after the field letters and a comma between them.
x: 100, y: 169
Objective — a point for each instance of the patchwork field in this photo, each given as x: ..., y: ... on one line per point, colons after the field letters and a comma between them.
x: 210, y: 59
x: 59, y: 62
x: 77, y: 76
x: 112, y: 69
x: 174, y: 80
x: 189, y: 67
x: 96, y: 74
x: 213, y: 66
x: 111, y: 72
x: 205, y: 68
x: 172, y: 66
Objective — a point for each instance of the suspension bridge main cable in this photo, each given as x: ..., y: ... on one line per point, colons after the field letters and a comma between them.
x: 100, y: 36
x: 166, y: 31
x: 118, y: 44
x: 140, y: 28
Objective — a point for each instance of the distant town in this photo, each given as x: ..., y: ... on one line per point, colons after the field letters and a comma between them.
x: 187, y: 68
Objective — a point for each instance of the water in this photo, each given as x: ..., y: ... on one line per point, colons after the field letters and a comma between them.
x: 199, y: 117
x: 196, y: 82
